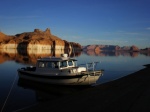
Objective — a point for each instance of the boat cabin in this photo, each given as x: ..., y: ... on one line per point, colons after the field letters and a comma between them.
x: 57, y: 63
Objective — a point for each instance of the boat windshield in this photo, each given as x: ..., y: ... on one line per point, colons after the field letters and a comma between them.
x: 48, y: 64
x: 56, y: 64
x: 63, y: 64
x: 69, y: 63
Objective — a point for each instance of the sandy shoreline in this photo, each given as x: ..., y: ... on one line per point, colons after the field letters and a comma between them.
x: 128, y: 94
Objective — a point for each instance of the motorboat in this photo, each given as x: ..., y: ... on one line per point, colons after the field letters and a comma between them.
x: 61, y: 70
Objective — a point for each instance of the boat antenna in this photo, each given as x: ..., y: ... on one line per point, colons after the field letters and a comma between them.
x: 68, y: 52
x: 73, y: 49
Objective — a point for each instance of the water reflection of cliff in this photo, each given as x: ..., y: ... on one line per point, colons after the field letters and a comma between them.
x: 30, y: 56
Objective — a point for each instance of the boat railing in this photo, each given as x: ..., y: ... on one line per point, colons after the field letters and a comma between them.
x: 90, y: 66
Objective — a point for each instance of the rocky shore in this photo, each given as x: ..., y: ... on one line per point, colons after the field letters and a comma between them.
x: 128, y: 94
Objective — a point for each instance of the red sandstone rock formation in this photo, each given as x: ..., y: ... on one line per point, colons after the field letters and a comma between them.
x: 134, y: 48
x: 2, y: 36
x: 97, y: 50
x: 5, y: 38
x: 110, y: 48
x: 35, y: 40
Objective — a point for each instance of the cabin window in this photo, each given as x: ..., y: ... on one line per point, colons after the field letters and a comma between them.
x: 52, y: 64
x: 63, y: 64
x: 49, y: 64
x: 70, y: 63
x: 41, y: 64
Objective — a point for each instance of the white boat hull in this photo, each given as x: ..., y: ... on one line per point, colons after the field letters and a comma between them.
x: 80, y: 80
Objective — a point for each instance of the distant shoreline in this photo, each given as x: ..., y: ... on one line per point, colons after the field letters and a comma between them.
x: 113, y: 48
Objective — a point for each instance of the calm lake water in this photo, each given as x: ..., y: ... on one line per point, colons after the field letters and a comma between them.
x: 16, y: 94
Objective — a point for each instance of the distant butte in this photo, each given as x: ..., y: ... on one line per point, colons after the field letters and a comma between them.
x: 99, y: 48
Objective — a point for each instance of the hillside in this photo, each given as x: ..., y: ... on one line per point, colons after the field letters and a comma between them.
x: 4, y: 38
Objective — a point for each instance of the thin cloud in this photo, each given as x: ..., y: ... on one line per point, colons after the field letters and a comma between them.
x: 18, y: 17
x: 127, y: 33
x: 143, y: 39
x: 121, y: 33
x: 109, y: 41
x: 148, y: 28
x: 75, y: 37
x: 72, y: 37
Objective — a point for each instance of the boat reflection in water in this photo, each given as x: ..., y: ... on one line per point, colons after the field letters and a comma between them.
x: 46, y: 92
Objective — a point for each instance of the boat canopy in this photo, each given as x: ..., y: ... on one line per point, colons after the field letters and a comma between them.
x: 57, y: 59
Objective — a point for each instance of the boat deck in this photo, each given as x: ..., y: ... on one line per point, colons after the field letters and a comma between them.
x: 98, y: 72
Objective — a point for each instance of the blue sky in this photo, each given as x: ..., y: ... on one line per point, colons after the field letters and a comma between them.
x: 111, y: 22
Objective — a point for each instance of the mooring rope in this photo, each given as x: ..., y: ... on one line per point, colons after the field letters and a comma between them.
x: 8, y: 94
x: 25, y: 107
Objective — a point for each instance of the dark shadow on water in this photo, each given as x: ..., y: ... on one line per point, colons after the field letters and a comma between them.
x: 46, y: 92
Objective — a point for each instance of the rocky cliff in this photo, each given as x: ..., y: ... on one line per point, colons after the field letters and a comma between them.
x: 36, y: 40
